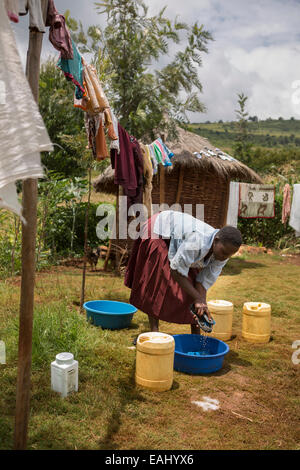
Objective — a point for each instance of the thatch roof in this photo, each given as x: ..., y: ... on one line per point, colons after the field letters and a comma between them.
x: 209, y: 159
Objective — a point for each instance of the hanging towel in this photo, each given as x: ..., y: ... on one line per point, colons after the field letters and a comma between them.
x: 295, y: 210
x: 286, y: 203
x: 150, y: 152
x: 257, y: 201
x: 97, y: 101
x: 233, y: 204
x: 36, y: 21
x: 167, y: 150
x: 59, y: 35
x: 73, y: 69
x: 158, y: 144
x: 109, y: 125
x: 148, y: 174
x: 22, y: 131
x: 12, y: 9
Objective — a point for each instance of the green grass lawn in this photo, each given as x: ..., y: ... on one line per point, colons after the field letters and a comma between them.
x: 258, y: 386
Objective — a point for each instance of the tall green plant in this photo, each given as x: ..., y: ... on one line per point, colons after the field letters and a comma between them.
x: 242, y: 146
x: 127, y: 53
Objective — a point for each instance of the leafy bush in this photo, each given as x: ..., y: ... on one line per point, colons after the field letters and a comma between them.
x: 59, y: 229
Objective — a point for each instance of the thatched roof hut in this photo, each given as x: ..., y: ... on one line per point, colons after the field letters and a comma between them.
x: 193, y: 179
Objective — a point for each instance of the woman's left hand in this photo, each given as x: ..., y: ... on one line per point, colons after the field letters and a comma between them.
x: 201, y: 309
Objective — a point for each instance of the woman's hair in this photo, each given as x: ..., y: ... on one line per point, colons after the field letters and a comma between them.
x: 230, y: 235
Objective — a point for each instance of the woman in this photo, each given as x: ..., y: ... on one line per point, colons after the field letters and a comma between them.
x: 173, y: 263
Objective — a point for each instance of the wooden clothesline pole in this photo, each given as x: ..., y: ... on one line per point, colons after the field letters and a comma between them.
x: 29, y: 202
x: 86, y: 226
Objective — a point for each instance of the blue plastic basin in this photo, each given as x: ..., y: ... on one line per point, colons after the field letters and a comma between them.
x: 196, y: 354
x: 109, y: 314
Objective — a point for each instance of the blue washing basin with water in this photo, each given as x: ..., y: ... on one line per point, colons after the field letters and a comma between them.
x: 197, y: 354
x: 109, y: 314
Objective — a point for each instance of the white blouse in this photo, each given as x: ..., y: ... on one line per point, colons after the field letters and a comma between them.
x: 190, y: 241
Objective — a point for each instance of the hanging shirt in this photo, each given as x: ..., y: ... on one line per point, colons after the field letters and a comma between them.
x: 96, y: 99
x: 72, y: 69
x: 190, y: 242
x: 36, y: 21
x: 59, y: 35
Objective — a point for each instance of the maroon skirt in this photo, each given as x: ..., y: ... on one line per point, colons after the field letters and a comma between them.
x: 148, y: 275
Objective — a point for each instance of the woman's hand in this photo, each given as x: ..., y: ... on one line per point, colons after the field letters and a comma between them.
x: 202, y: 308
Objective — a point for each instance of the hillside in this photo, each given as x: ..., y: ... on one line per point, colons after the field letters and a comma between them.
x: 276, y: 143
x: 272, y: 133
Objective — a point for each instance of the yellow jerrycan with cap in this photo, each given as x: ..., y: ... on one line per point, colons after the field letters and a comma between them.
x: 256, y: 322
x: 155, y: 361
x: 222, y: 313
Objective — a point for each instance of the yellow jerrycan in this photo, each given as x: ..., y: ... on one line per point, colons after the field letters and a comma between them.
x: 256, y: 322
x: 222, y: 313
x: 155, y: 361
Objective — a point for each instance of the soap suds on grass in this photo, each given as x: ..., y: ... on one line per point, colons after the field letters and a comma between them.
x: 207, y: 404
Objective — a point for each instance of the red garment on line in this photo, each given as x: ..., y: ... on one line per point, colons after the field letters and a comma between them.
x: 129, y: 167
x: 286, y: 204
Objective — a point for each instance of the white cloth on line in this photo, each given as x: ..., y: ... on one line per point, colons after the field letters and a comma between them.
x: 233, y: 204
x: 36, y: 20
x: 9, y: 200
x: 295, y: 210
x: 22, y: 131
x: 115, y: 144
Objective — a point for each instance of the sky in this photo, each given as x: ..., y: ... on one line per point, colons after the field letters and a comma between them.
x: 256, y: 51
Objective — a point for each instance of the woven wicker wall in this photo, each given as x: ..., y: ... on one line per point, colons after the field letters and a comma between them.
x: 198, y: 188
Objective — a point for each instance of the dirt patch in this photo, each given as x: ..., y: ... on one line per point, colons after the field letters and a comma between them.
x: 253, y: 250
x: 292, y: 259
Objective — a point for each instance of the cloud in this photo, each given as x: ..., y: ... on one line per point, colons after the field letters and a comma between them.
x: 256, y: 51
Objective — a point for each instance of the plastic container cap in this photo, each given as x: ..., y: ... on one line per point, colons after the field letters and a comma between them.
x: 256, y: 306
x: 64, y: 358
x: 219, y: 303
x: 155, y: 337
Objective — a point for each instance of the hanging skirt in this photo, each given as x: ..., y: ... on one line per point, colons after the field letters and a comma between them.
x: 148, y: 275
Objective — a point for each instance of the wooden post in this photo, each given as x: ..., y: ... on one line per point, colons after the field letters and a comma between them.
x: 161, y: 184
x: 29, y: 202
x: 180, y: 184
x: 86, y: 226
